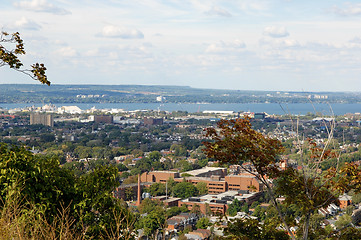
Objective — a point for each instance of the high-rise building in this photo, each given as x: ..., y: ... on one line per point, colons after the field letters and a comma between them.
x: 103, y: 118
x: 153, y: 121
x: 44, y: 119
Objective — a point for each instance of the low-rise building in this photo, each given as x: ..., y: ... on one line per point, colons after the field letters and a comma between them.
x: 179, y: 222
x: 215, y: 178
x: 345, y: 200
x: 201, y: 234
x: 219, y: 203
x: 243, y: 182
x: 158, y: 176
x: 208, y: 172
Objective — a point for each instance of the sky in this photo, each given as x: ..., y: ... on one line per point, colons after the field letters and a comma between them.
x: 273, y: 45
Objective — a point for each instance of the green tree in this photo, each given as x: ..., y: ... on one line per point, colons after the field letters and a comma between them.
x: 149, y: 205
x: 343, y: 221
x: 156, y: 189
x: 94, y: 201
x: 154, y: 156
x: 184, y: 190
x: 48, y: 188
x: 173, y: 211
x: 184, y: 208
x: 203, y: 223
x: 154, y: 220
x: 234, y: 207
x: 356, y: 198
x: 121, y: 167
x: 152, y: 223
x: 41, y: 180
x: 260, y: 213
x: 251, y: 229
x: 202, y: 188
x: 349, y: 210
x: 236, y: 142
x: 183, y: 165
x: 179, y: 150
x: 196, y: 209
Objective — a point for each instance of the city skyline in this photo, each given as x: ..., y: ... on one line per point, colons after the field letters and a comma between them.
x: 247, y: 45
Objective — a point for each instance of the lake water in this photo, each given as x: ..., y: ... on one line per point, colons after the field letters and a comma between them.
x: 270, y: 108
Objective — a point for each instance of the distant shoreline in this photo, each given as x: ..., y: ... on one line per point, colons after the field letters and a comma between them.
x: 270, y: 108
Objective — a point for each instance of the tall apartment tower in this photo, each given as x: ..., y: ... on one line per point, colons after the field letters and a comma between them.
x: 103, y: 118
x: 44, y: 119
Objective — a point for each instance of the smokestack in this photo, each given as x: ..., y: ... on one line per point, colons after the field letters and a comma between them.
x: 139, y: 197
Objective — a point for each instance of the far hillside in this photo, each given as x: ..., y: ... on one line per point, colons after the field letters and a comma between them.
x: 34, y: 93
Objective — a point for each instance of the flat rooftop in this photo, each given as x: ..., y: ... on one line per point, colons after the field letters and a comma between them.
x: 209, y: 197
x: 203, y: 179
x: 203, y: 170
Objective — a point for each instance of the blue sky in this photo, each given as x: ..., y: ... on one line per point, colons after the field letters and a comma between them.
x: 283, y: 45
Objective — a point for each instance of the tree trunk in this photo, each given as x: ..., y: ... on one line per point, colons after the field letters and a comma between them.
x: 306, y: 226
x: 275, y: 203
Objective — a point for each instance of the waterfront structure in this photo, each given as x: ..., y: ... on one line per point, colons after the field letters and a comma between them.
x: 160, y: 99
x: 69, y: 109
x: 218, y: 112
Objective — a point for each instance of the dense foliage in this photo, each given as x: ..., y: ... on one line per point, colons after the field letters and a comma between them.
x: 47, y: 187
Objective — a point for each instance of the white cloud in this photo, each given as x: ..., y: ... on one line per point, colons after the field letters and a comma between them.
x: 24, y: 23
x: 276, y: 32
x: 60, y: 42
x: 121, y: 32
x: 280, y: 43
x: 225, y: 47
x: 41, y: 6
x: 217, y: 11
x: 67, y: 52
x: 356, y: 40
x: 349, y: 9
x: 92, y: 53
x: 254, y: 6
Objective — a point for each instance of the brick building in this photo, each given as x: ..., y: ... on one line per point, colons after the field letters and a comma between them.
x: 168, y: 201
x: 215, y: 178
x: 243, y: 182
x: 158, y: 176
x: 215, y: 184
x: 208, y: 172
x: 344, y: 200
